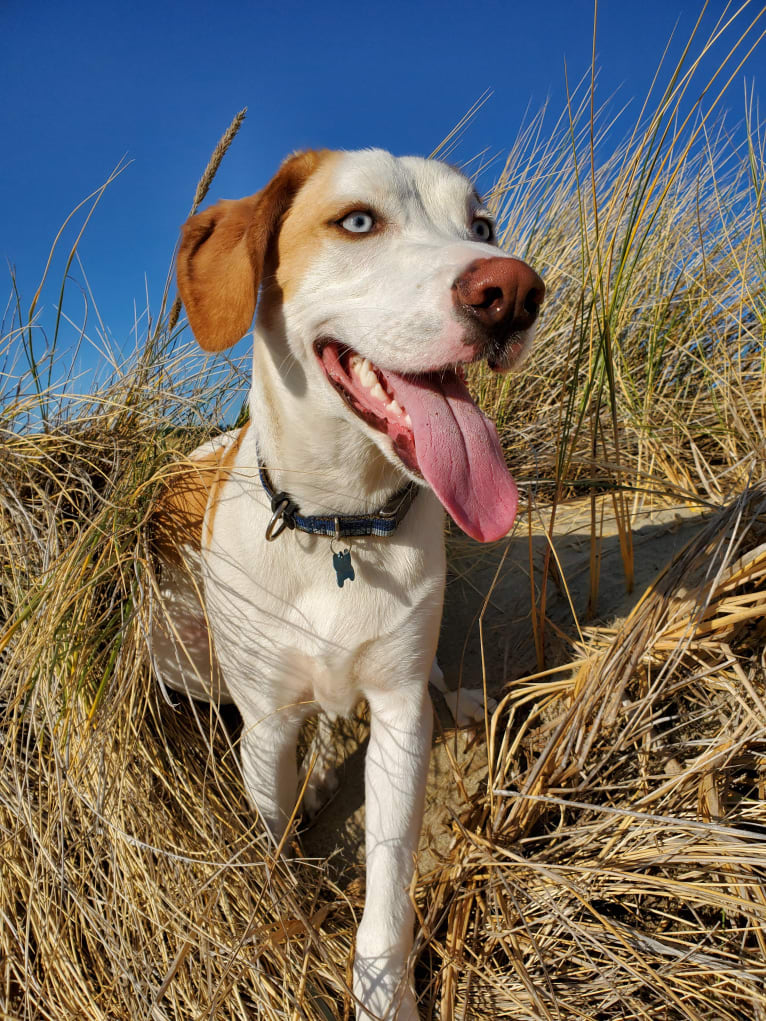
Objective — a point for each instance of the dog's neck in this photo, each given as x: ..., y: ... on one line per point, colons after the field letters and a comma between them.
x: 325, y: 463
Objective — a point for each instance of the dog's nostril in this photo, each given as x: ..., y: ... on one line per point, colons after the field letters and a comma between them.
x: 532, y: 304
x: 504, y: 295
x: 493, y: 296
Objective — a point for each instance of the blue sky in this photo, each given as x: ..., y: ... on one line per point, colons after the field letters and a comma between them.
x: 86, y: 84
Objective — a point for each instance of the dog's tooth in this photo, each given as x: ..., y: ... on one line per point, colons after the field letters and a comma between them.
x: 378, y: 392
x: 355, y: 361
x: 366, y: 374
x: 394, y: 408
x: 363, y: 372
x: 408, y: 421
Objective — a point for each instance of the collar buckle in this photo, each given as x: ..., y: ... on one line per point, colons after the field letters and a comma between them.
x: 283, y: 516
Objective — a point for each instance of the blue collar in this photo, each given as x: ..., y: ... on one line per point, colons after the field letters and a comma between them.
x: 285, y: 514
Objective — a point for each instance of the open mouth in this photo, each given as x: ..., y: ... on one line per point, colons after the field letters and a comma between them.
x: 437, y: 431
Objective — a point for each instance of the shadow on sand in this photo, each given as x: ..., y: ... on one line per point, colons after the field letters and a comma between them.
x: 508, y: 650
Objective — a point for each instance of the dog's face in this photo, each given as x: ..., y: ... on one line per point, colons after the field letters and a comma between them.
x: 382, y: 279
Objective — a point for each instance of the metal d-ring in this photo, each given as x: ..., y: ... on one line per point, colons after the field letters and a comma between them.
x: 337, y: 537
x: 279, y: 510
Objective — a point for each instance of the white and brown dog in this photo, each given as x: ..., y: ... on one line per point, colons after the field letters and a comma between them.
x: 303, y: 556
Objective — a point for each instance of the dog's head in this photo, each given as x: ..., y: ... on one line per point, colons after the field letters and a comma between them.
x: 382, y: 278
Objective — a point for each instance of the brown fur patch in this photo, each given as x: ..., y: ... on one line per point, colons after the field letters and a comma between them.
x: 180, y: 512
x: 216, y: 280
x: 223, y: 249
x: 224, y: 471
x: 304, y: 228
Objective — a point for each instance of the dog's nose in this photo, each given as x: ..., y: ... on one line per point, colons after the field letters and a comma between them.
x: 504, y: 295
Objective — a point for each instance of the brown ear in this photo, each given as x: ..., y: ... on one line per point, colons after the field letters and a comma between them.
x: 220, y: 260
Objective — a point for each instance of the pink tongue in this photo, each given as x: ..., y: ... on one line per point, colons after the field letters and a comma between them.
x: 459, y: 454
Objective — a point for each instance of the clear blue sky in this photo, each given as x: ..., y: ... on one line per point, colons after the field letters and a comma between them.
x: 87, y: 83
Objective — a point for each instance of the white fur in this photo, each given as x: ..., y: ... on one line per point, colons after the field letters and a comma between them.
x: 287, y: 639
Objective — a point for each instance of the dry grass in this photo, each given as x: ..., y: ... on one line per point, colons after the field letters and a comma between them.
x: 613, y: 865
x: 616, y: 867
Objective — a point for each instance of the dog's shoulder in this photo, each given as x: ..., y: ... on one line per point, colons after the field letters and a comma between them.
x: 192, y: 487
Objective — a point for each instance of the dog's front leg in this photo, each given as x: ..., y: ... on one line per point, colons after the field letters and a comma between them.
x: 268, y: 763
x: 395, y: 781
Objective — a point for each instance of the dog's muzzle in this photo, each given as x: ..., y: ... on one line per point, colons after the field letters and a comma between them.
x: 501, y: 299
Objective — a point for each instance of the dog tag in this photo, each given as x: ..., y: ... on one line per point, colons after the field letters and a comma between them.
x: 344, y: 570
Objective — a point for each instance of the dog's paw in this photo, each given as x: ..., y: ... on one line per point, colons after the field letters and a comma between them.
x: 319, y: 763
x: 321, y: 786
x: 408, y: 1010
x: 378, y: 998
x: 436, y: 677
x: 405, y: 1011
x: 467, y: 705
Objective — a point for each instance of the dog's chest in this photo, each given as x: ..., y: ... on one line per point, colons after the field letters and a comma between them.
x: 316, y: 643
x: 280, y: 619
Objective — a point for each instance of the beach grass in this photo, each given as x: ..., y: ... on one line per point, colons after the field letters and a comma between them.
x: 613, y: 864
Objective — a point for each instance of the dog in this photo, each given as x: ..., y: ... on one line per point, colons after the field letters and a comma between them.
x: 302, y: 556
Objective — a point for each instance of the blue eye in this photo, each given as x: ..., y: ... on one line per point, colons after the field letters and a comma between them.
x: 482, y: 229
x: 358, y: 222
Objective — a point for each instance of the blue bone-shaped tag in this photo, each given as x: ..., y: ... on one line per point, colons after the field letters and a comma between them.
x: 343, y: 568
